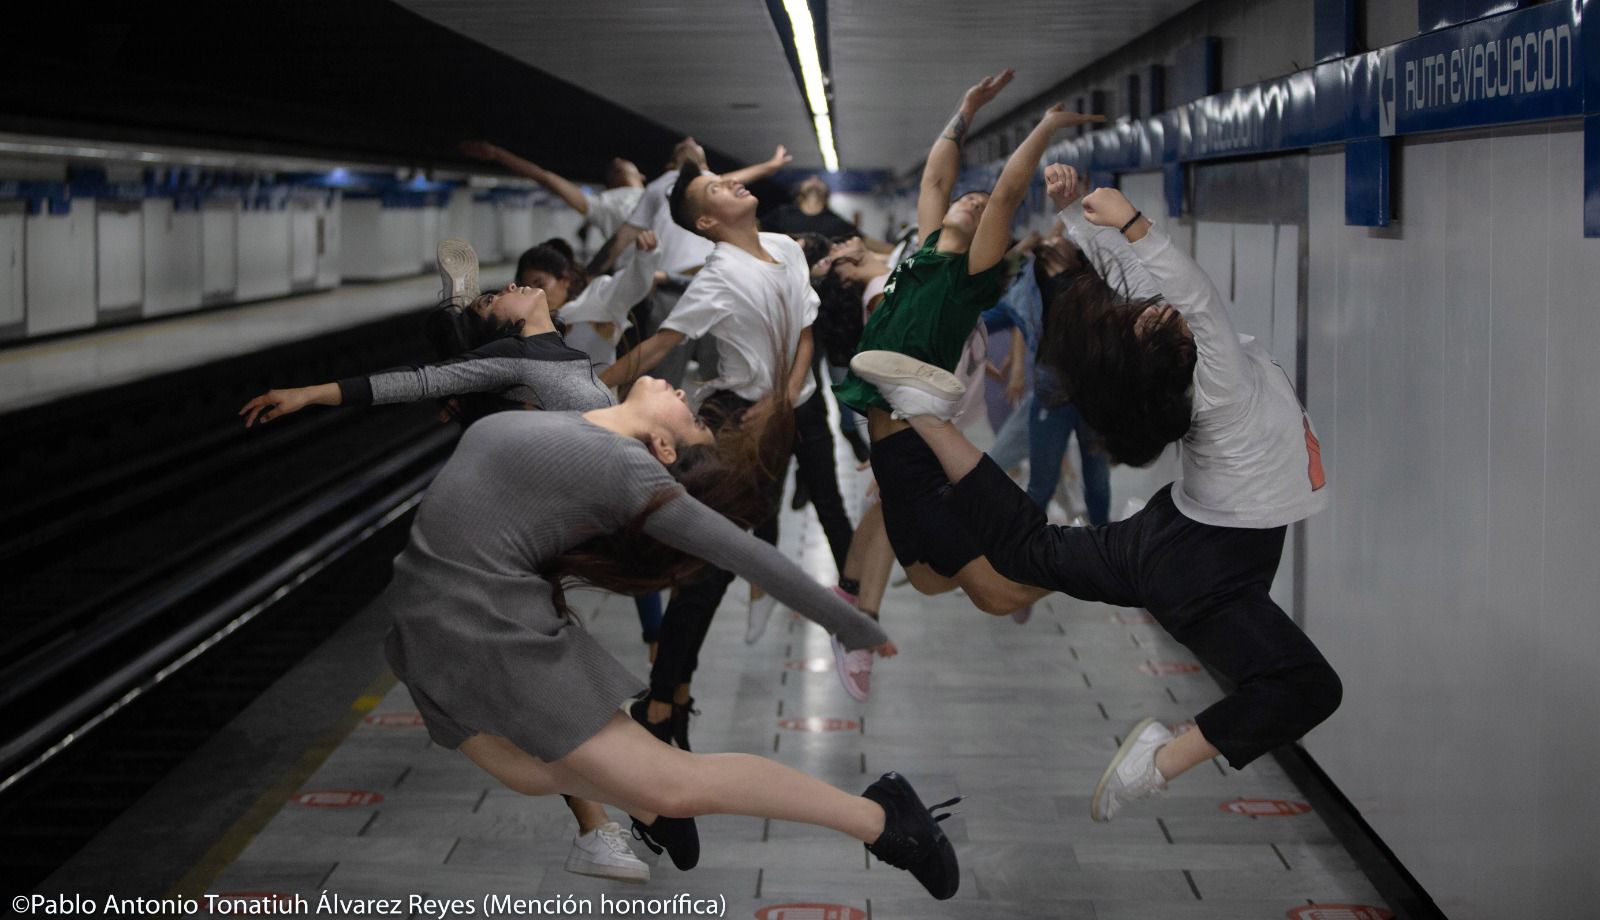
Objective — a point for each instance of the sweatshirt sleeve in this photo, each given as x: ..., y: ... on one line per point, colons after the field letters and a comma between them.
x: 686, y: 524
x: 496, y: 366
x: 1110, y: 254
x: 608, y: 298
x: 1222, y: 371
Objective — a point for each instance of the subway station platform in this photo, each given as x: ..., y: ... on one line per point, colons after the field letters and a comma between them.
x: 1020, y: 719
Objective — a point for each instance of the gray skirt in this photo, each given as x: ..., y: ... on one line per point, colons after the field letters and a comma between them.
x: 482, y: 652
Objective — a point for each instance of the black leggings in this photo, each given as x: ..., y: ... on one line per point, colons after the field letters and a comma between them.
x: 1206, y: 585
x: 688, y: 617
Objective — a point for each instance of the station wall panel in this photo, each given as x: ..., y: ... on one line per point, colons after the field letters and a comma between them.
x: 382, y: 242
x: 173, y: 274
x: 303, y: 218
x: 484, y: 232
x: 119, y: 255
x: 219, y: 249
x: 60, y: 267
x: 12, y: 307
x: 263, y: 253
x: 330, y: 237
x: 1452, y: 581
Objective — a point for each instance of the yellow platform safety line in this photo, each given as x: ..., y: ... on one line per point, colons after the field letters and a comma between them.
x: 200, y: 877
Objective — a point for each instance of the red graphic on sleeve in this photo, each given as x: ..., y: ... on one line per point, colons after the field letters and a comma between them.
x: 1314, y: 448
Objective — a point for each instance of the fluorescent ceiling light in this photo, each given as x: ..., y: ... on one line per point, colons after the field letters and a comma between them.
x: 805, y: 46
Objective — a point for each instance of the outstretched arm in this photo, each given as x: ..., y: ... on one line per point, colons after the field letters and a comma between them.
x: 608, y: 298
x: 1105, y: 249
x: 649, y: 353
x: 560, y: 185
x: 944, y: 158
x: 993, y: 236
x: 685, y: 524
x: 1222, y: 370
x: 758, y: 171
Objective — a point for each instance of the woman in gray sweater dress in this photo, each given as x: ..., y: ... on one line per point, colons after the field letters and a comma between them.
x: 627, y: 497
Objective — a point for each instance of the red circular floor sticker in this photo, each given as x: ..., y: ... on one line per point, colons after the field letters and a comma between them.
x: 394, y: 719
x: 1160, y: 668
x: 819, y: 724
x: 1266, y: 808
x: 814, y: 665
x: 1338, y: 912
x: 338, y: 798
x: 811, y: 912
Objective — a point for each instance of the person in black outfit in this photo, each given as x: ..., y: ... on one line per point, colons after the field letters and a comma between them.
x: 809, y: 213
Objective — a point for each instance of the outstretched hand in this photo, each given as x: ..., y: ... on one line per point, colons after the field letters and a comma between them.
x: 781, y: 157
x: 273, y: 403
x: 1057, y: 117
x: 886, y: 650
x: 1061, y: 184
x: 1107, y: 207
x: 984, y: 91
x: 646, y: 241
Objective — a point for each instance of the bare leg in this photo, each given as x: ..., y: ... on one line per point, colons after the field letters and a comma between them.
x: 870, y: 560
x: 625, y: 766
x: 956, y: 454
x: 1183, y: 753
x: 590, y: 815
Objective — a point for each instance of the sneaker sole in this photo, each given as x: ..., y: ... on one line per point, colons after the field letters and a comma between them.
x: 838, y: 668
x: 1095, y: 811
x: 637, y: 876
x: 894, y: 368
x: 458, y: 266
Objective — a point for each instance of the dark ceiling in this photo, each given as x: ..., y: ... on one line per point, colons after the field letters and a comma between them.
x: 362, y: 79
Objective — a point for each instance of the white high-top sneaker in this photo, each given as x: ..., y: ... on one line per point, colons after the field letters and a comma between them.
x: 1132, y: 774
x: 458, y: 272
x: 604, y: 853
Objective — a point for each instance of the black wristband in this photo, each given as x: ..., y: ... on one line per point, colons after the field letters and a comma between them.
x: 1131, y: 221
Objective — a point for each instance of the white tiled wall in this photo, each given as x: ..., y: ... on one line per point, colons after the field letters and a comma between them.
x: 119, y: 255
x: 1453, y: 581
x: 172, y: 266
x: 330, y: 227
x: 303, y: 244
x: 379, y: 242
x: 219, y: 249
x: 11, y: 264
x: 263, y: 253
x: 60, y: 266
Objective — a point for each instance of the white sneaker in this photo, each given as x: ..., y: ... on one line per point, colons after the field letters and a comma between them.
x: 912, y: 387
x: 855, y: 670
x: 604, y: 853
x: 1132, y: 773
x: 760, y: 614
x: 458, y: 271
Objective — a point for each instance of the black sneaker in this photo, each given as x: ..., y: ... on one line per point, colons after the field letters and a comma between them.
x: 640, y: 710
x: 677, y: 836
x: 912, y: 839
x: 680, y: 722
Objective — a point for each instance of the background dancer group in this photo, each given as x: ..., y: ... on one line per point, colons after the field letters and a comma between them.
x: 620, y: 481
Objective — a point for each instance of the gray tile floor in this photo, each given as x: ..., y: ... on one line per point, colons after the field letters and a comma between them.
x: 1019, y: 719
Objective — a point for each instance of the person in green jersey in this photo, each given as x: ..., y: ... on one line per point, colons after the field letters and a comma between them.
x: 931, y: 304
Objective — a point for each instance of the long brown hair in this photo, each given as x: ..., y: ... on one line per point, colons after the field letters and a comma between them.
x: 738, y: 476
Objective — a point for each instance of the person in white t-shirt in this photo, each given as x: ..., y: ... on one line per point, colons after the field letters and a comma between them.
x: 604, y: 210
x: 682, y: 253
x: 754, y: 299
x: 1146, y: 371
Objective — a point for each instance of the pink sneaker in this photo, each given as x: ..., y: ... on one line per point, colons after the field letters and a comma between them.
x: 855, y: 670
x: 845, y: 596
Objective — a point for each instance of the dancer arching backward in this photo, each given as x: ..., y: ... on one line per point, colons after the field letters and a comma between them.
x: 1202, y: 554
x: 931, y: 304
x: 508, y: 356
x: 620, y: 498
